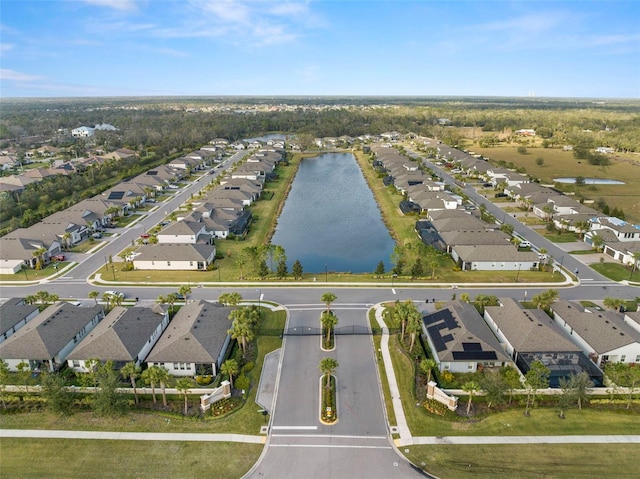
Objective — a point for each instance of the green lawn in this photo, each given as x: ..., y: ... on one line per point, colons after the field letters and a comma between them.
x: 616, y: 272
x: 559, y: 163
x: 54, y: 458
x: 565, y: 237
x: 535, y: 461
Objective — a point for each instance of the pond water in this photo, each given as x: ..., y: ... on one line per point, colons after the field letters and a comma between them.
x: 590, y: 181
x: 330, y: 220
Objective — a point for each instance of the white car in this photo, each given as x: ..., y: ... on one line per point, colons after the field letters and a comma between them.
x: 524, y: 244
x: 114, y: 293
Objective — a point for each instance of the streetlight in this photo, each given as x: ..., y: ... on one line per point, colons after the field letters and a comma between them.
x: 518, y: 274
x: 393, y: 278
x: 326, y: 273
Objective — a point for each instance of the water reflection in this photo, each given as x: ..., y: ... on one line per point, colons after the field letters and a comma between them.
x: 330, y: 219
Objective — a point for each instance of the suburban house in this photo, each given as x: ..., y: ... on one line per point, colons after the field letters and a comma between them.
x: 45, y: 342
x: 621, y: 239
x: 22, y: 246
x: 529, y: 335
x: 174, y: 256
x: 603, y: 335
x: 14, y: 314
x: 196, y: 340
x: 493, y: 257
x: 124, y: 335
x: 460, y: 339
x: 185, y: 231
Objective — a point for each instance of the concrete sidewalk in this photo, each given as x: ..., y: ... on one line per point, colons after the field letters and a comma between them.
x: 130, y: 436
x: 613, y: 439
x: 401, y: 427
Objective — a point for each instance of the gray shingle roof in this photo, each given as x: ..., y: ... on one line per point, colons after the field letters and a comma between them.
x: 604, y: 331
x: 120, y: 336
x: 529, y: 330
x: 196, y: 334
x: 13, y: 311
x: 44, y: 336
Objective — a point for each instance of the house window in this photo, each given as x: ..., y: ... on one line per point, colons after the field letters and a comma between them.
x: 623, y: 358
x: 637, y: 358
x: 191, y: 263
x: 168, y: 263
x: 470, y: 366
x: 76, y: 363
x: 605, y: 357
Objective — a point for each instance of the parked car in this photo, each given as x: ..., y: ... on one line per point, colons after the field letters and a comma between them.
x: 524, y: 244
x: 114, y: 293
x: 164, y: 223
x: 97, y: 235
x: 58, y: 257
x: 150, y: 200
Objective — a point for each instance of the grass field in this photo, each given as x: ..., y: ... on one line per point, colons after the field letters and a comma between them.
x: 559, y: 163
x: 47, y: 458
x: 530, y: 461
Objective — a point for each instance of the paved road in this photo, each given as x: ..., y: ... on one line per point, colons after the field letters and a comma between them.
x: 359, y: 444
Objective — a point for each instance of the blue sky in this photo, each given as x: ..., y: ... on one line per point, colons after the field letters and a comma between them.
x: 253, y: 47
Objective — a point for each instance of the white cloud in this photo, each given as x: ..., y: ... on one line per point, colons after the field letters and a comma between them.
x: 5, y: 47
x: 12, y: 75
x: 122, y: 5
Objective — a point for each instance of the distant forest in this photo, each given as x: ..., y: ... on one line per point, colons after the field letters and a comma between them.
x: 167, y: 125
x: 163, y: 128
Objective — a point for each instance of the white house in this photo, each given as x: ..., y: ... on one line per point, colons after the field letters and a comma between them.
x: 602, y: 335
x: 195, y: 342
x: 177, y: 257
x: 460, y: 339
x: 45, y: 342
x: 124, y: 335
x: 14, y: 314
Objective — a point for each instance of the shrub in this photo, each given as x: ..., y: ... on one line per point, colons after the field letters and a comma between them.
x: 242, y: 382
x: 435, y: 407
x: 248, y: 367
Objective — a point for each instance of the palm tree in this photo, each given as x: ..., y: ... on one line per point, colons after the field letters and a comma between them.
x: 470, y: 387
x: 163, y: 377
x: 184, y: 385
x: 230, y: 299
x: 426, y: 367
x: 150, y: 377
x: 38, y: 254
x: 544, y: 299
x: 329, y: 322
x: 184, y: 290
x: 582, y: 227
x: 94, y: 295
x: 131, y: 371
x: 66, y: 240
x: 402, y: 312
x: 242, y: 331
x: 414, y: 326
x: 613, y: 303
x: 328, y: 366
x: 43, y: 296
x: 230, y: 367
x: 328, y: 298
x: 597, y: 241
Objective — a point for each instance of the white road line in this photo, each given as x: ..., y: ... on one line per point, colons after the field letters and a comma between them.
x: 328, y: 436
x: 334, y: 446
x: 295, y: 428
x: 393, y: 290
